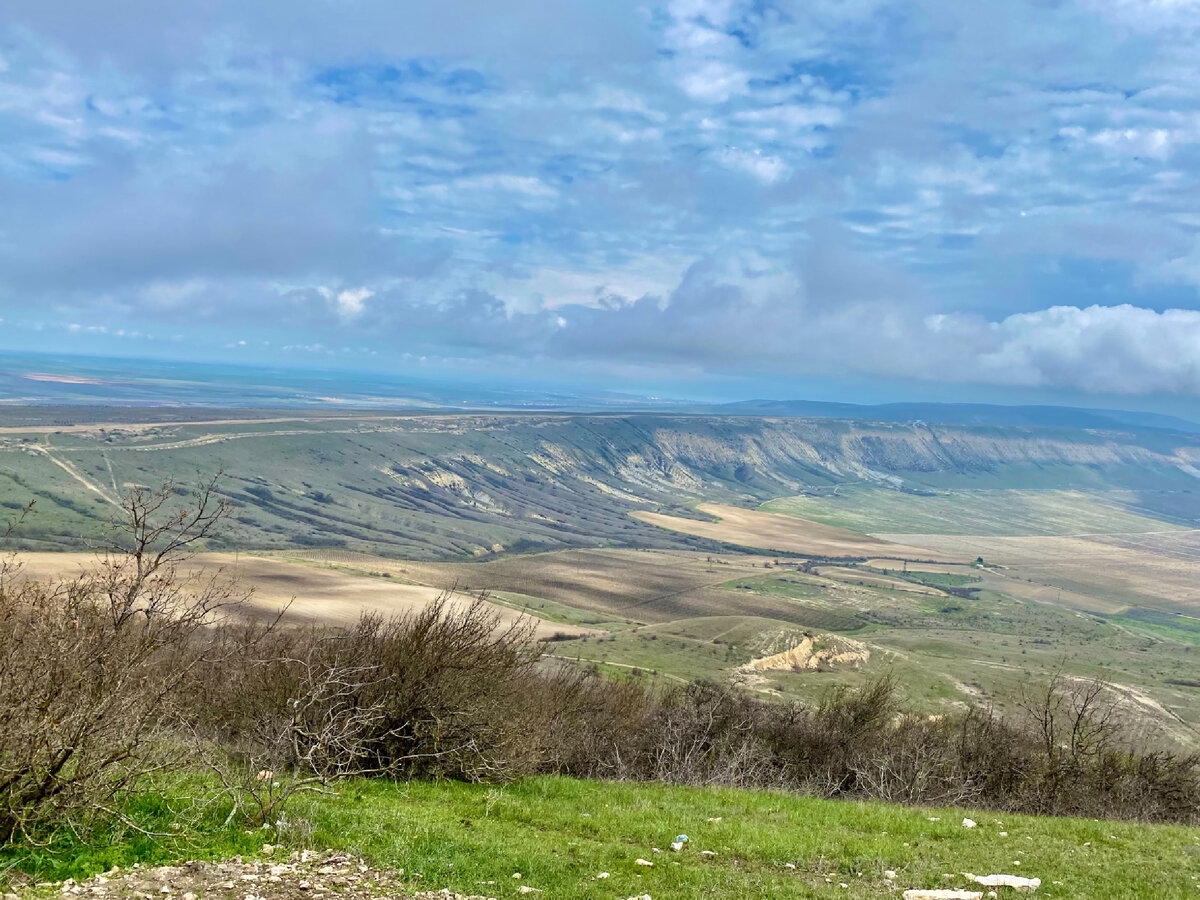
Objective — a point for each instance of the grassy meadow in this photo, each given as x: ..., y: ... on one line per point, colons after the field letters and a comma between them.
x: 561, y: 835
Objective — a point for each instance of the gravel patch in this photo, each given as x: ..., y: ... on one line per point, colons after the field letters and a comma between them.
x: 305, y: 875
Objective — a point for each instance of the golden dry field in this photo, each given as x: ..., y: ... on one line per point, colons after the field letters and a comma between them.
x: 309, y: 594
x: 777, y: 531
x: 650, y: 586
x: 1099, y: 572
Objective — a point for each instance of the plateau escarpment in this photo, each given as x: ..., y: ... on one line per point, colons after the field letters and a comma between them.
x: 475, y: 485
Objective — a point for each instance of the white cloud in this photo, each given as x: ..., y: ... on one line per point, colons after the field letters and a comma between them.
x: 1121, y: 350
x: 767, y: 169
x: 713, y: 81
x: 780, y: 121
x: 1151, y: 142
x: 516, y: 184
x: 350, y: 303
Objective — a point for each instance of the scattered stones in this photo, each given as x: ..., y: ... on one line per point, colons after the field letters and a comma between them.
x: 941, y: 894
x: 1016, y: 882
x: 969, y: 823
x: 306, y: 874
x: 642, y: 862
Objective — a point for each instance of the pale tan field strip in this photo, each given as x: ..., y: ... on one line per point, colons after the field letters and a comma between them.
x: 868, y: 579
x: 640, y: 585
x: 142, y: 427
x: 776, y: 531
x: 932, y: 568
x: 310, y: 594
x: 1102, y: 573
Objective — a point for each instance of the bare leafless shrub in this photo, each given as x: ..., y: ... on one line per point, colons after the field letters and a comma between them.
x: 454, y: 687
x: 591, y: 726
x: 92, y: 663
x: 823, y: 748
x: 1088, y: 759
x: 441, y: 692
x: 919, y: 763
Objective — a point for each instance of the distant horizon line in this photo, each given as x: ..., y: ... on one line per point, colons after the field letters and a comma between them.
x: 549, y: 397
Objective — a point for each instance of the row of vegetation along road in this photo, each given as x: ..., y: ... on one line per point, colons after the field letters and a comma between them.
x: 138, y: 710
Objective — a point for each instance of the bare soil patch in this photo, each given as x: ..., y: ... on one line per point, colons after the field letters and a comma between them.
x: 648, y: 586
x: 1103, y: 573
x: 776, y: 531
x: 815, y: 652
x: 326, y: 596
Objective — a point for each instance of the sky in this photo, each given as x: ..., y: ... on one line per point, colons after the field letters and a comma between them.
x: 866, y: 200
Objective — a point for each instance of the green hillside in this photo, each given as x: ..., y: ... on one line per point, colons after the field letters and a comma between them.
x: 560, y: 834
x: 445, y: 487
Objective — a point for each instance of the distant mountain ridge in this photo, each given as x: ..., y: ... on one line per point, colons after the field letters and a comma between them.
x: 961, y: 414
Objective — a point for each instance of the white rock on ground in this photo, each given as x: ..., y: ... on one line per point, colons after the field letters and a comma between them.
x: 941, y: 894
x: 1027, y: 885
x: 969, y: 823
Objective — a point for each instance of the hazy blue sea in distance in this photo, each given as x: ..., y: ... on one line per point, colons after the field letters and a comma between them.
x: 43, y: 379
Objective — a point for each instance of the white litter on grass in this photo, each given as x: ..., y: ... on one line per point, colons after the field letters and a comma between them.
x: 969, y: 823
x: 1013, y: 881
x: 602, y: 875
x: 789, y: 865
x: 642, y: 862
x: 707, y: 853
x: 714, y: 818
x: 941, y: 894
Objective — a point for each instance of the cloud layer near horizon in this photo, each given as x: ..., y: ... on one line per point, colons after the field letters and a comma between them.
x: 997, y: 193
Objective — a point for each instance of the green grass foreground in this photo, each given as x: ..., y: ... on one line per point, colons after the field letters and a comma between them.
x: 560, y: 834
